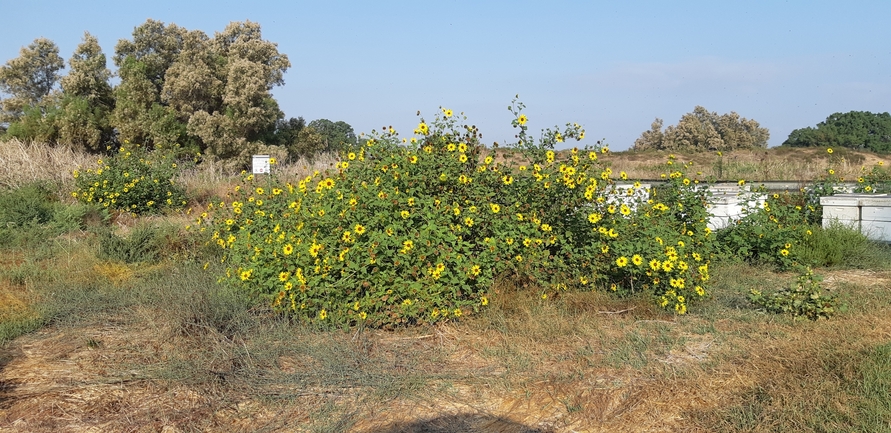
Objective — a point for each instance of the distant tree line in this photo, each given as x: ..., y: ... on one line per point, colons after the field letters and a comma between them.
x: 176, y: 87
x: 704, y: 130
x: 854, y: 129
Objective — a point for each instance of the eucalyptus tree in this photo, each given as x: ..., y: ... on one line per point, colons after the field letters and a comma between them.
x: 183, y: 87
x: 29, y: 78
x: 139, y: 114
x: 241, y: 109
x: 87, y: 101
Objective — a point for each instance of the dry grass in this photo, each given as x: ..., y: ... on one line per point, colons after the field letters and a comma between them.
x: 211, y: 180
x: 22, y: 163
x: 585, y: 362
x: 775, y: 164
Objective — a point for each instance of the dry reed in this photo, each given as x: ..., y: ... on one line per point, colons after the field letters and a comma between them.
x: 213, y: 179
x: 22, y: 163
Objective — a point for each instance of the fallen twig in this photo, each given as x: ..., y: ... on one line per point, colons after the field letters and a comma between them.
x: 616, y: 312
x: 420, y: 337
x: 658, y: 321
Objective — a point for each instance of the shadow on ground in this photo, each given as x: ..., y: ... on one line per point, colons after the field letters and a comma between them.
x: 6, y: 386
x: 462, y: 423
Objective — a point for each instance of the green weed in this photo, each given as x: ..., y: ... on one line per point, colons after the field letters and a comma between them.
x: 841, y: 246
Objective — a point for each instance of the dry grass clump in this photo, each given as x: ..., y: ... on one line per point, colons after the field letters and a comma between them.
x: 22, y: 163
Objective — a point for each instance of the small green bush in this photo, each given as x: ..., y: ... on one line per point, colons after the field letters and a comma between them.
x: 78, y: 216
x: 141, y: 245
x: 803, y: 298
x: 876, y: 180
x: 132, y: 180
x: 838, y: 245
x: 828, y: 184
x: 30, y: 204
x: 771, y: 231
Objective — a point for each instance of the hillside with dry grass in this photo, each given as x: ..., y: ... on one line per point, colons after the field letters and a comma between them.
x: 775, y: 164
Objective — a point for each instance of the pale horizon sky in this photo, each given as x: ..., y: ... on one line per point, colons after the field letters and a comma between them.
x: 613, y: 66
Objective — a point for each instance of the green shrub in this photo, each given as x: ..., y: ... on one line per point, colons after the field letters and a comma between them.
x: 409, y: 231
x: 875, y: 180
x: 828, y: 184
x: 803, y: 298
x: 24, y: 213
x: 140, y: 245
x: 30, y: 204
x: 132, y: 180
x: 78, y: 216
x: 771, y: 231
x: 838, y: 245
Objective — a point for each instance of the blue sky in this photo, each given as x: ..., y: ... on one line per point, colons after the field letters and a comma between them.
x: 611, y: 66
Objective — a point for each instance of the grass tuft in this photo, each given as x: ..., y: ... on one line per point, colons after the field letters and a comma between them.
x: 840, y: 246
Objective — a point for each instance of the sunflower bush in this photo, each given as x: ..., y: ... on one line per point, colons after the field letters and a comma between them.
x: 876, y: 180
x: 417, y: 230
x: 133, y: 180
x: 772, y: 229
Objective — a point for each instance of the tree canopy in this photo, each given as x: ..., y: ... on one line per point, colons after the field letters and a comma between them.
x: 337, y: 135
x: 176, y: 87
x: 704, y: 130
x: 29, y: 78
x: 854, y: 129
x: 87, y: 100
x: 181, y: 86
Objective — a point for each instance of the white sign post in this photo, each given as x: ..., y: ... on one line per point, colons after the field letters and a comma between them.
x: 261, y: 164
